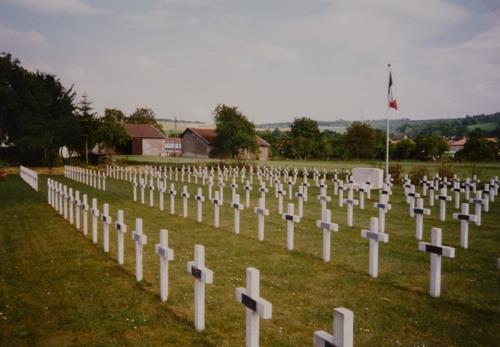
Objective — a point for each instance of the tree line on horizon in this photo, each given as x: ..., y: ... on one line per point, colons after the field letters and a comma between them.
x: 39, y: 116
x: 362, y: 141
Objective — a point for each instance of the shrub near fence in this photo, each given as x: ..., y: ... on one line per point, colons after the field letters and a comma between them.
x: 29, y: 176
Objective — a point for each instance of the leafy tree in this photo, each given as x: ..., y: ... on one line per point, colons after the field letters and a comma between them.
x: 339, y: 149
x: 304, y: 136
x: 114, y: 114
x: 404, y: 149
x: 144, y: 115
x: 235, y: 133
x: 110, y: 131
x: 36, y: 112
x: 478, y: 148
x: 430, y: 147
x: 360, y: 139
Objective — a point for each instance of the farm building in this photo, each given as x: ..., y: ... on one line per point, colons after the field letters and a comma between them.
x: 173, y: 147
x: 455, y: 145
x: 198, y: 143
x: 146, y: 139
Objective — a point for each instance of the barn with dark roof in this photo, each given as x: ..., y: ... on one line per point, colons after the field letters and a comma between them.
x: 146, y: 139
x: 198, y: 143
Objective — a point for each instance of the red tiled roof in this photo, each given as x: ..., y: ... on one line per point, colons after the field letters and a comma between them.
x: 209, y: 135
x: 459, y: 142
x: 143, y: 131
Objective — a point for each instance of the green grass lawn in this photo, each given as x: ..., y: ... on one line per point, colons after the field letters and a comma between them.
x: 92, y: 299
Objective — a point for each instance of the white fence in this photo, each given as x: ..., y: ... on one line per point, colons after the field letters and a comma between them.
x: 29, y: 176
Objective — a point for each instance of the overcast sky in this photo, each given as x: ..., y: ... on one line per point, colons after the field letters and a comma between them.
x: 275, y: 59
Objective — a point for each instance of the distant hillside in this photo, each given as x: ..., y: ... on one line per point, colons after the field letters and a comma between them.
x: 169, y: 125
x: 489, y: 124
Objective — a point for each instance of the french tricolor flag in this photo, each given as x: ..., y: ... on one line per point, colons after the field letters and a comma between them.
x: 391, y: 98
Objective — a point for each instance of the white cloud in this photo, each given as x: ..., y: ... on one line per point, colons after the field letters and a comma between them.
x: 77, y: 7
x: 11, y: 37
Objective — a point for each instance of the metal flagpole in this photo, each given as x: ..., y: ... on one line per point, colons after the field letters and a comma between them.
x: 387, y: 133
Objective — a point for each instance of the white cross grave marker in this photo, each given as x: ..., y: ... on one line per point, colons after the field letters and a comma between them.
x: 185, y: 195
x: 151, y: 192
x: 85, y: 207
x: 237, y: 207
x: 375, y: 237
x: 457, y: 190
x: 464, y: 218
x: 78, y: 205
x: 443, y: 198
x: 199, y: 205
x: 143, y: 185
x: 71, y: 205
x: 248, y: 189
x: 327, y: 226
x: 419, y: 212
x: 106, y: 221
x: 95, y: 215
x: 140, y: 240
x: 65, y: 197
x: 291, y: 219
x: 217, y: 203
x: 383, y: 207
x: 300, y: 200
x: 172, y: 194
x: 134, y: 189
x: 166, y: 254
x: 478, y: 205
x: 161, y: 192
x: 350, y: 207
x: 121, y: 229
x: 343, y: 330
x: 202, y: 275
x: 261, y: 211
x: 255, y: 306
x: 437, y: 250
x: 281, y: 193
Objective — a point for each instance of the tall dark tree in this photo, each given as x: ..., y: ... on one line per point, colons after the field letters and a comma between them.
x: 235, y: 133
x: 304, y: 136
x: 36, y: 112
x: 88, y: 126
x: 360, y: 139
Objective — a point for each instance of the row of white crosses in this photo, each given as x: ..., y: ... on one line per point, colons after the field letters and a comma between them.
x: 482, y: 199
x: 196, y: 268
x: 262, y: 211
x: 67, y: 202
x: 419, y: 211
x: 255, y: 306
x: 93, y: 178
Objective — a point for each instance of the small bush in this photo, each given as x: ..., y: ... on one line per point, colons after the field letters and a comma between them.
x: 396, y: 172
x: 476, y: 170
x: 417, y: 173
x: 445, y: 170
